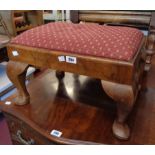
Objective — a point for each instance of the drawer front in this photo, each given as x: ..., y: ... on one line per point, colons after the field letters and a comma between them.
x: 21, y: 133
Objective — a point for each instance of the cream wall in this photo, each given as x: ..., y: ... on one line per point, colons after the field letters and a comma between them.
x: 6, y: 15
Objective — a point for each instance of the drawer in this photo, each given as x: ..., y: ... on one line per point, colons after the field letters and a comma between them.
x: 21, y: 133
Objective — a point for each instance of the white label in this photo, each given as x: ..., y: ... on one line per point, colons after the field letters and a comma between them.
x: 7, y: 102
x: 70, y: 59
x: 15, y: 53
x: 61, y: 58
x: 56, y: 133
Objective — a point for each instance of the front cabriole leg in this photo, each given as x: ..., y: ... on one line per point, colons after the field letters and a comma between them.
x: 125, y: 98
x: 16, y: 72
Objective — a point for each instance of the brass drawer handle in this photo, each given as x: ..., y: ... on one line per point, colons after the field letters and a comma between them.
x: 22, y: 140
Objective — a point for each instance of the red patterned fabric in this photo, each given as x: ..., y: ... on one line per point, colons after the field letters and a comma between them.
x: 112, y: 42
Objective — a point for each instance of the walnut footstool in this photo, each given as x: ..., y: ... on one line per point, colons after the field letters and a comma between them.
x: 113, y: 54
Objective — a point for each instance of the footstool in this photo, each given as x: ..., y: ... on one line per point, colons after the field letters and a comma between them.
x: 114, y: 54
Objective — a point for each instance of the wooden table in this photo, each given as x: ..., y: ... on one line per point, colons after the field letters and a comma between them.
x: 83, y: 116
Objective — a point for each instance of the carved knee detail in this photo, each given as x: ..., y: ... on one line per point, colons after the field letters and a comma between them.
x: 119, y: 92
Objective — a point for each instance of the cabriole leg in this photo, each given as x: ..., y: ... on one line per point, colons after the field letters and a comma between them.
x: 124, y: 96
x: 16, y: 72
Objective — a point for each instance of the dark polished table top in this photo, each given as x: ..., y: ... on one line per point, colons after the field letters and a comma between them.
x: 78, y: 108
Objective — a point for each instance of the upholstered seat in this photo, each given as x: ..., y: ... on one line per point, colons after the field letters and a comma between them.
x: 114, y: 42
